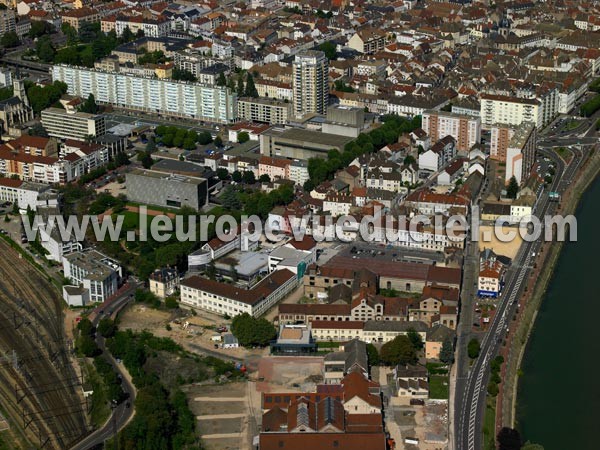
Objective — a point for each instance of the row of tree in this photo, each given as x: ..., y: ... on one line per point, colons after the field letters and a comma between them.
x: 320, y: 169
x: 591, y: 106
x: 251, y: 331
x: 182, y: 138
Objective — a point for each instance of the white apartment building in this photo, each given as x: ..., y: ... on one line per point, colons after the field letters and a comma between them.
x: 466, y: 130
x: 57, y: 247
x: 24, y: 194
x: 510, y: 110
x: 93, y: 271
x: 157, y: 27
x: 298, y: 172
x: 310, y: 83
x: 164, y: 96
x: 222, y: 298
x: 520, y: 153
x: 72, y: 124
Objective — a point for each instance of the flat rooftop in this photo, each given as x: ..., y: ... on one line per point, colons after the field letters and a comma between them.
x: 183, y: 167
x: 167, y: 176
x: 316, y: 137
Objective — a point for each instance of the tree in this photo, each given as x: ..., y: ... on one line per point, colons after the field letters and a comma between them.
x: 171, y: 303
x: 230, y: 200
x: 329, y: 49
x: 400, y: 350
x: 189, y: 144
x: 204, y: 138
x: 222, y: 173
x: 308, y: 185
x: 151, y: 145
x: 415, y: 339
x: 45, y: 50
x: 250, y: 88
x: 473, y: 348
x: 250, y: 331
x: 38, y: 129
x: 40, y: 28
x: 87, y: 346
x: 106, y: 327
x: 218, y: 141
x: 409, y: 160
x: 492, y: 389
x: 530, y: 446
x: 447, y: 352
x: 183, y: 75
x: 85, y: 327
x: 248, y: 177
x: 264, y: 178
x: 127, y: 35
x: 237, y: 176
x: 513, y: 188
x: 9, y: 39
x: 243, y: 136
x: 89, y: 106
x: 372, y: 355
x: 509, y: 439
x: 221, y: 80
x: 146, y: 160
x: 240, y: 86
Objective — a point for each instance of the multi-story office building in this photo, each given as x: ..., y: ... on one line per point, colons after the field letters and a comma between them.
x: 264, y: 110
x: 510, y: 110
x: 162, y: 96
x: 311, y: 83
x: 466, y: 130
x: 95, y: 272
x: 72, y: 124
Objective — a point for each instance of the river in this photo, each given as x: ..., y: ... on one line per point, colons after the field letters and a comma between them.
x: 560, y: 387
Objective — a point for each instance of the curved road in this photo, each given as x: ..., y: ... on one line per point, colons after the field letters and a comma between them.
x: 471, y: 390
x: 122, y: 413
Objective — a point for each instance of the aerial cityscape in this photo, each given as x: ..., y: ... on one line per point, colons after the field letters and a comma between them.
x: 298, y: 224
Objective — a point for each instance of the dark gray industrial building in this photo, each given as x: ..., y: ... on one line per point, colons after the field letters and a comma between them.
x: 169, y: 190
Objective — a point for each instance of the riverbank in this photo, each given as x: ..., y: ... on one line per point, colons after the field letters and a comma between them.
x: 534, y: 294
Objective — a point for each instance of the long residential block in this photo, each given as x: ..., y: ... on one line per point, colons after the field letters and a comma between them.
x: 153, y: 95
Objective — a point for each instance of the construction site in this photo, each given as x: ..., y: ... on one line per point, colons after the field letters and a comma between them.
x: 40, y: 391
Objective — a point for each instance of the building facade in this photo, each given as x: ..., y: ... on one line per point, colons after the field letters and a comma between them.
x: 310, y: 83
x: 466, y: 130
x: 72, y: 125
x: 162, y: 96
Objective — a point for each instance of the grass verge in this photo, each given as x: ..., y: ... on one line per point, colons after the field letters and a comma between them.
x: 489, y: 424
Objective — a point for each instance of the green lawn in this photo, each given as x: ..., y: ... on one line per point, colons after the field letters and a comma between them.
x: 100, y: 405
x: 489, y: 424
x: 438, y: 387
x: 131, y: 220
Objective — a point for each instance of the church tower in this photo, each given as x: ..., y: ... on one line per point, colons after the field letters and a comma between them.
x: 19, y: 90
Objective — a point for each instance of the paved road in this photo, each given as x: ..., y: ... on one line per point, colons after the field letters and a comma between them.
x: 469, y: 401
x: 121, y: 413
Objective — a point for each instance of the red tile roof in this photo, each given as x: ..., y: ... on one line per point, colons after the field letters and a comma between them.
x: 249, y: 296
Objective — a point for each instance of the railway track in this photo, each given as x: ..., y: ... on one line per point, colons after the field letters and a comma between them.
x: 39, y: 388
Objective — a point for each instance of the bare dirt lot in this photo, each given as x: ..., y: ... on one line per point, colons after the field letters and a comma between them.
x: 428, y: 424
x: 198, y: 332
x: 488, y: 239
x: 288, y: 373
